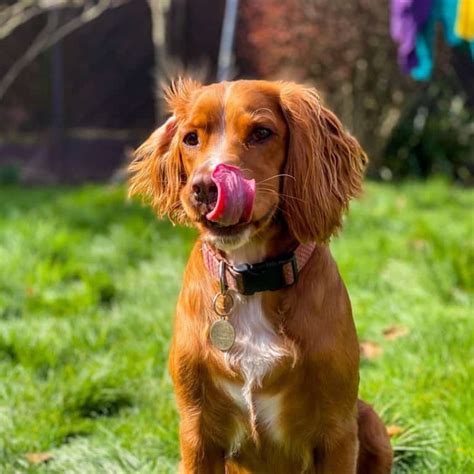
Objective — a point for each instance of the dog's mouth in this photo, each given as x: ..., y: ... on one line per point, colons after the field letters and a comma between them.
x: 220, y: 230
x: 232, y: 196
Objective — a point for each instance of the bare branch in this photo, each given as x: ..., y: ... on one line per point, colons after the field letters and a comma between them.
x: 14, y: 16
x: 22, y: 11
x: 30, y: 54
x: 52, y: 33
x: 89, y: 14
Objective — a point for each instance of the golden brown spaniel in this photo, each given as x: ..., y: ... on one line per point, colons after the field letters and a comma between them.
x: 264, y: 357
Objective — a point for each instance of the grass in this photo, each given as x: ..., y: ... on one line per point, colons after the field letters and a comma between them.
x: 88, y: 283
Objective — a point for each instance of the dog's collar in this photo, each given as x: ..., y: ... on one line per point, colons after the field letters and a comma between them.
x: 269, y: 275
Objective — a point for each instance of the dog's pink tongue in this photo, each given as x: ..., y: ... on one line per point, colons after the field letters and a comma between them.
x: 235, y: 196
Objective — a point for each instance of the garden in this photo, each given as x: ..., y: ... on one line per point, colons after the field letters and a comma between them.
x: 88, y: 285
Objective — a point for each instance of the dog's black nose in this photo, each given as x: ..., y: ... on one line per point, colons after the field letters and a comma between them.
x: 204, y: 189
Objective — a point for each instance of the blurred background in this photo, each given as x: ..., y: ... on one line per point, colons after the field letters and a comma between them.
x: 80, y: 79
x: 89, y: 279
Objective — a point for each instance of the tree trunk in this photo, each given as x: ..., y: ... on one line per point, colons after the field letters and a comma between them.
x: 159, y: 11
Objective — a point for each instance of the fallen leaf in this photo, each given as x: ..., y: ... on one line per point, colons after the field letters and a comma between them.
x: 38, y: 458
x: 400, y: 203
x: 394, y: 430
x: 420, y: 244
x: 370, y: 350
x: 394, y: 332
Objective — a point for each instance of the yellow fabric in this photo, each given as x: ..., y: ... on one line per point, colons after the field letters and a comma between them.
x: 465, y: 20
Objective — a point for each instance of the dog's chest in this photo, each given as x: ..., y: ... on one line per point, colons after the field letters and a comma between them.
x: 256, y: 351
x: 262, y: 414
x: 257, y: 346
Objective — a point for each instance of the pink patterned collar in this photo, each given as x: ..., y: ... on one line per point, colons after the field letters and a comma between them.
x: 269, y: 275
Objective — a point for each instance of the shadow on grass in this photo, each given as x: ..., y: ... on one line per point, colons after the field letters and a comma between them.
x: 98, y: 399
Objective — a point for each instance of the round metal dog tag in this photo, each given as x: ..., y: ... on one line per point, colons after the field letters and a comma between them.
x: 222, y: 334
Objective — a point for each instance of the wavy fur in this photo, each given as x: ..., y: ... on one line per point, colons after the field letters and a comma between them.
x: 325, y: 163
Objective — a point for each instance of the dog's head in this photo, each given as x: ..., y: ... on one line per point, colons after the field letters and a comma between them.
x: 235, y: 156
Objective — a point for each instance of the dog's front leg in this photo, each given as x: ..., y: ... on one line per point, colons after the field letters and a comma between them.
x: 339, y: 455
x: 198, y: 454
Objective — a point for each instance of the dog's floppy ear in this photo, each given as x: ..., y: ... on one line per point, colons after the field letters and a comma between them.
x: 325, y: 165
x: 157, y: 172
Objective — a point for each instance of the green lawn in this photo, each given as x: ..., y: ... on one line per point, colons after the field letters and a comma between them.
x: 88, y: 283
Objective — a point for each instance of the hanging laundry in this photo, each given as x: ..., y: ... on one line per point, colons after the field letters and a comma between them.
x: 465, y: 20
x: 407, y: 17
x: 413, y: 26
x: 444, y: 11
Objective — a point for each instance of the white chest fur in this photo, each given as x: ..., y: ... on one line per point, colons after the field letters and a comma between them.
x: 257, y: 347
x: 264, y: 411
x: 256, y: 350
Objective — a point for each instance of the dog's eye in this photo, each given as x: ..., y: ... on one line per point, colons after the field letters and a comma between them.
x: 191, y: 139
x: 259, y: 134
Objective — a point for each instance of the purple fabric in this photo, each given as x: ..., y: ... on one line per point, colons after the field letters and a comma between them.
x: 407, y: 17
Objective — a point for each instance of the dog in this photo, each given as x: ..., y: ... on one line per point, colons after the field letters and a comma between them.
x: 264, y: 357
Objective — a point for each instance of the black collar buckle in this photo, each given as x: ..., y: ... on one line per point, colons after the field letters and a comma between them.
x: 264, y: 276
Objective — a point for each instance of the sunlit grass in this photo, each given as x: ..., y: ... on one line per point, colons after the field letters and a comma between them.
x: 88, y: 284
